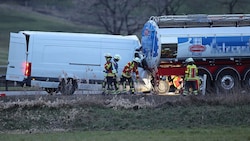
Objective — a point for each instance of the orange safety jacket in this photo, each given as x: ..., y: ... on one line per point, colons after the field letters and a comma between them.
x: 129, y: 68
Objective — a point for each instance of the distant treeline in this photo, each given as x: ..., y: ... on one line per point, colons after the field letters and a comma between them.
x: 128, y: 16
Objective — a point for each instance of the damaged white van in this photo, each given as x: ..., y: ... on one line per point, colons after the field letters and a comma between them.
x: 59, y: 61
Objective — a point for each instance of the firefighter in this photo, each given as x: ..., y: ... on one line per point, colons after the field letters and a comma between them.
x: 129, y: 69
x: 191, y: 77
x: 108, y: 74
x: 139, y: 53
x: 115, y: 72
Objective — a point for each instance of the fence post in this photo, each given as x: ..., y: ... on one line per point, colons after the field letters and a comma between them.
x: 6, y: 85
x: 3, y: 69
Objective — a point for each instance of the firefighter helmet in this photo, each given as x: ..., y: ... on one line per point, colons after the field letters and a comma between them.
x: 117, y: 57
x: 137, y: 60
x: 189, y: 60
x: 108, y: 55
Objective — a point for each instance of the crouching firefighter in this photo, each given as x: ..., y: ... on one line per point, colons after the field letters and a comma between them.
x: 129, y: 69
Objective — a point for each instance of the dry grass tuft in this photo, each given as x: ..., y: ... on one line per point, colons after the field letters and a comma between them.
x: 126, y: 102
x: 120, y: 102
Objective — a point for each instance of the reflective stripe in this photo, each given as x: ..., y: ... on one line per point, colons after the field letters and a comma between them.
x: 127, y: 75
x: 185, y: 92
x: 110, y: 74
x: 195, y: 92
x: 192, y: 72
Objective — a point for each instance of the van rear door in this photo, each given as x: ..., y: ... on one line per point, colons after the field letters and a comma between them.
x: 17, y: 57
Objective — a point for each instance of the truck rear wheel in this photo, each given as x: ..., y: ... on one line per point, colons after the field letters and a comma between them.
x: 163, y: 87
x: 68, y: 86
x: 227, y: 82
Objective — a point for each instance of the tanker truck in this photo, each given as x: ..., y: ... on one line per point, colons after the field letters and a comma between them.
x: 219, y: 44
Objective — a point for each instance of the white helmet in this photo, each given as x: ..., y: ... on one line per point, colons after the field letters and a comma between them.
x: 189, y: 60
x: 117, y: 57
x: 137, y: 60
x: 108, y: 55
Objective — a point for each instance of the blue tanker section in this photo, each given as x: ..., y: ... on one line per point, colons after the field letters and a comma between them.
x: 221, y: 46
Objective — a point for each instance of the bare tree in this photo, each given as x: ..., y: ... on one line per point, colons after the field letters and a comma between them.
x: 165, y: 7
x: 230, y: 4
x: 117, y: 16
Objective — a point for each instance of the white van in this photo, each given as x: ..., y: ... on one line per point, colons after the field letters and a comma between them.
x: 64, y: 61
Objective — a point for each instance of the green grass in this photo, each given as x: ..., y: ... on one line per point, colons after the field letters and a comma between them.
x: 19, y: 88
x: 196, y: 134
x: 85, y: 117
x: 120, y: 113
x: 17, y: 19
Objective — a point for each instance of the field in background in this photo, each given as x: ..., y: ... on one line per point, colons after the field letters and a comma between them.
x: 196, y: 134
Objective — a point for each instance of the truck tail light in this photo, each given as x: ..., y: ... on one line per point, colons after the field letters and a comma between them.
x: 27, y: 69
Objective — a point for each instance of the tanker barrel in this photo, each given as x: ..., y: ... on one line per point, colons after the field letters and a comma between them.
x: 202, y: 20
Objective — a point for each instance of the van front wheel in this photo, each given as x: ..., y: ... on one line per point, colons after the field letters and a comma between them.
x: 68, y: 86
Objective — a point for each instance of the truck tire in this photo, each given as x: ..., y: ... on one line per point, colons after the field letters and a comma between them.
x: 227, y: 83
x: 68, y: 86
x: 163, y: 87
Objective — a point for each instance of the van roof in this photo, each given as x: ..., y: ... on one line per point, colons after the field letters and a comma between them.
x: 43, y: 33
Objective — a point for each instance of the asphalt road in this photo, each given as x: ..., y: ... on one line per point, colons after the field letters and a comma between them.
x: 14, y: 93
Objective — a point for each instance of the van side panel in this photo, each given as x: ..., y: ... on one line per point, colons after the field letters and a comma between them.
x: 51, y: 58
x: 16, y: 58
x: 83, y: 58
x: 54, y: 55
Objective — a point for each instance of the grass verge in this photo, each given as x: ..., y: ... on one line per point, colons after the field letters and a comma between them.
x: 195, y: 134
x: 35, y: 114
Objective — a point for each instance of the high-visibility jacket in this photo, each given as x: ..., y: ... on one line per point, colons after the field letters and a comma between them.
x: 108, y: 68
x: 191, y: 72
x: 129, y: 69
